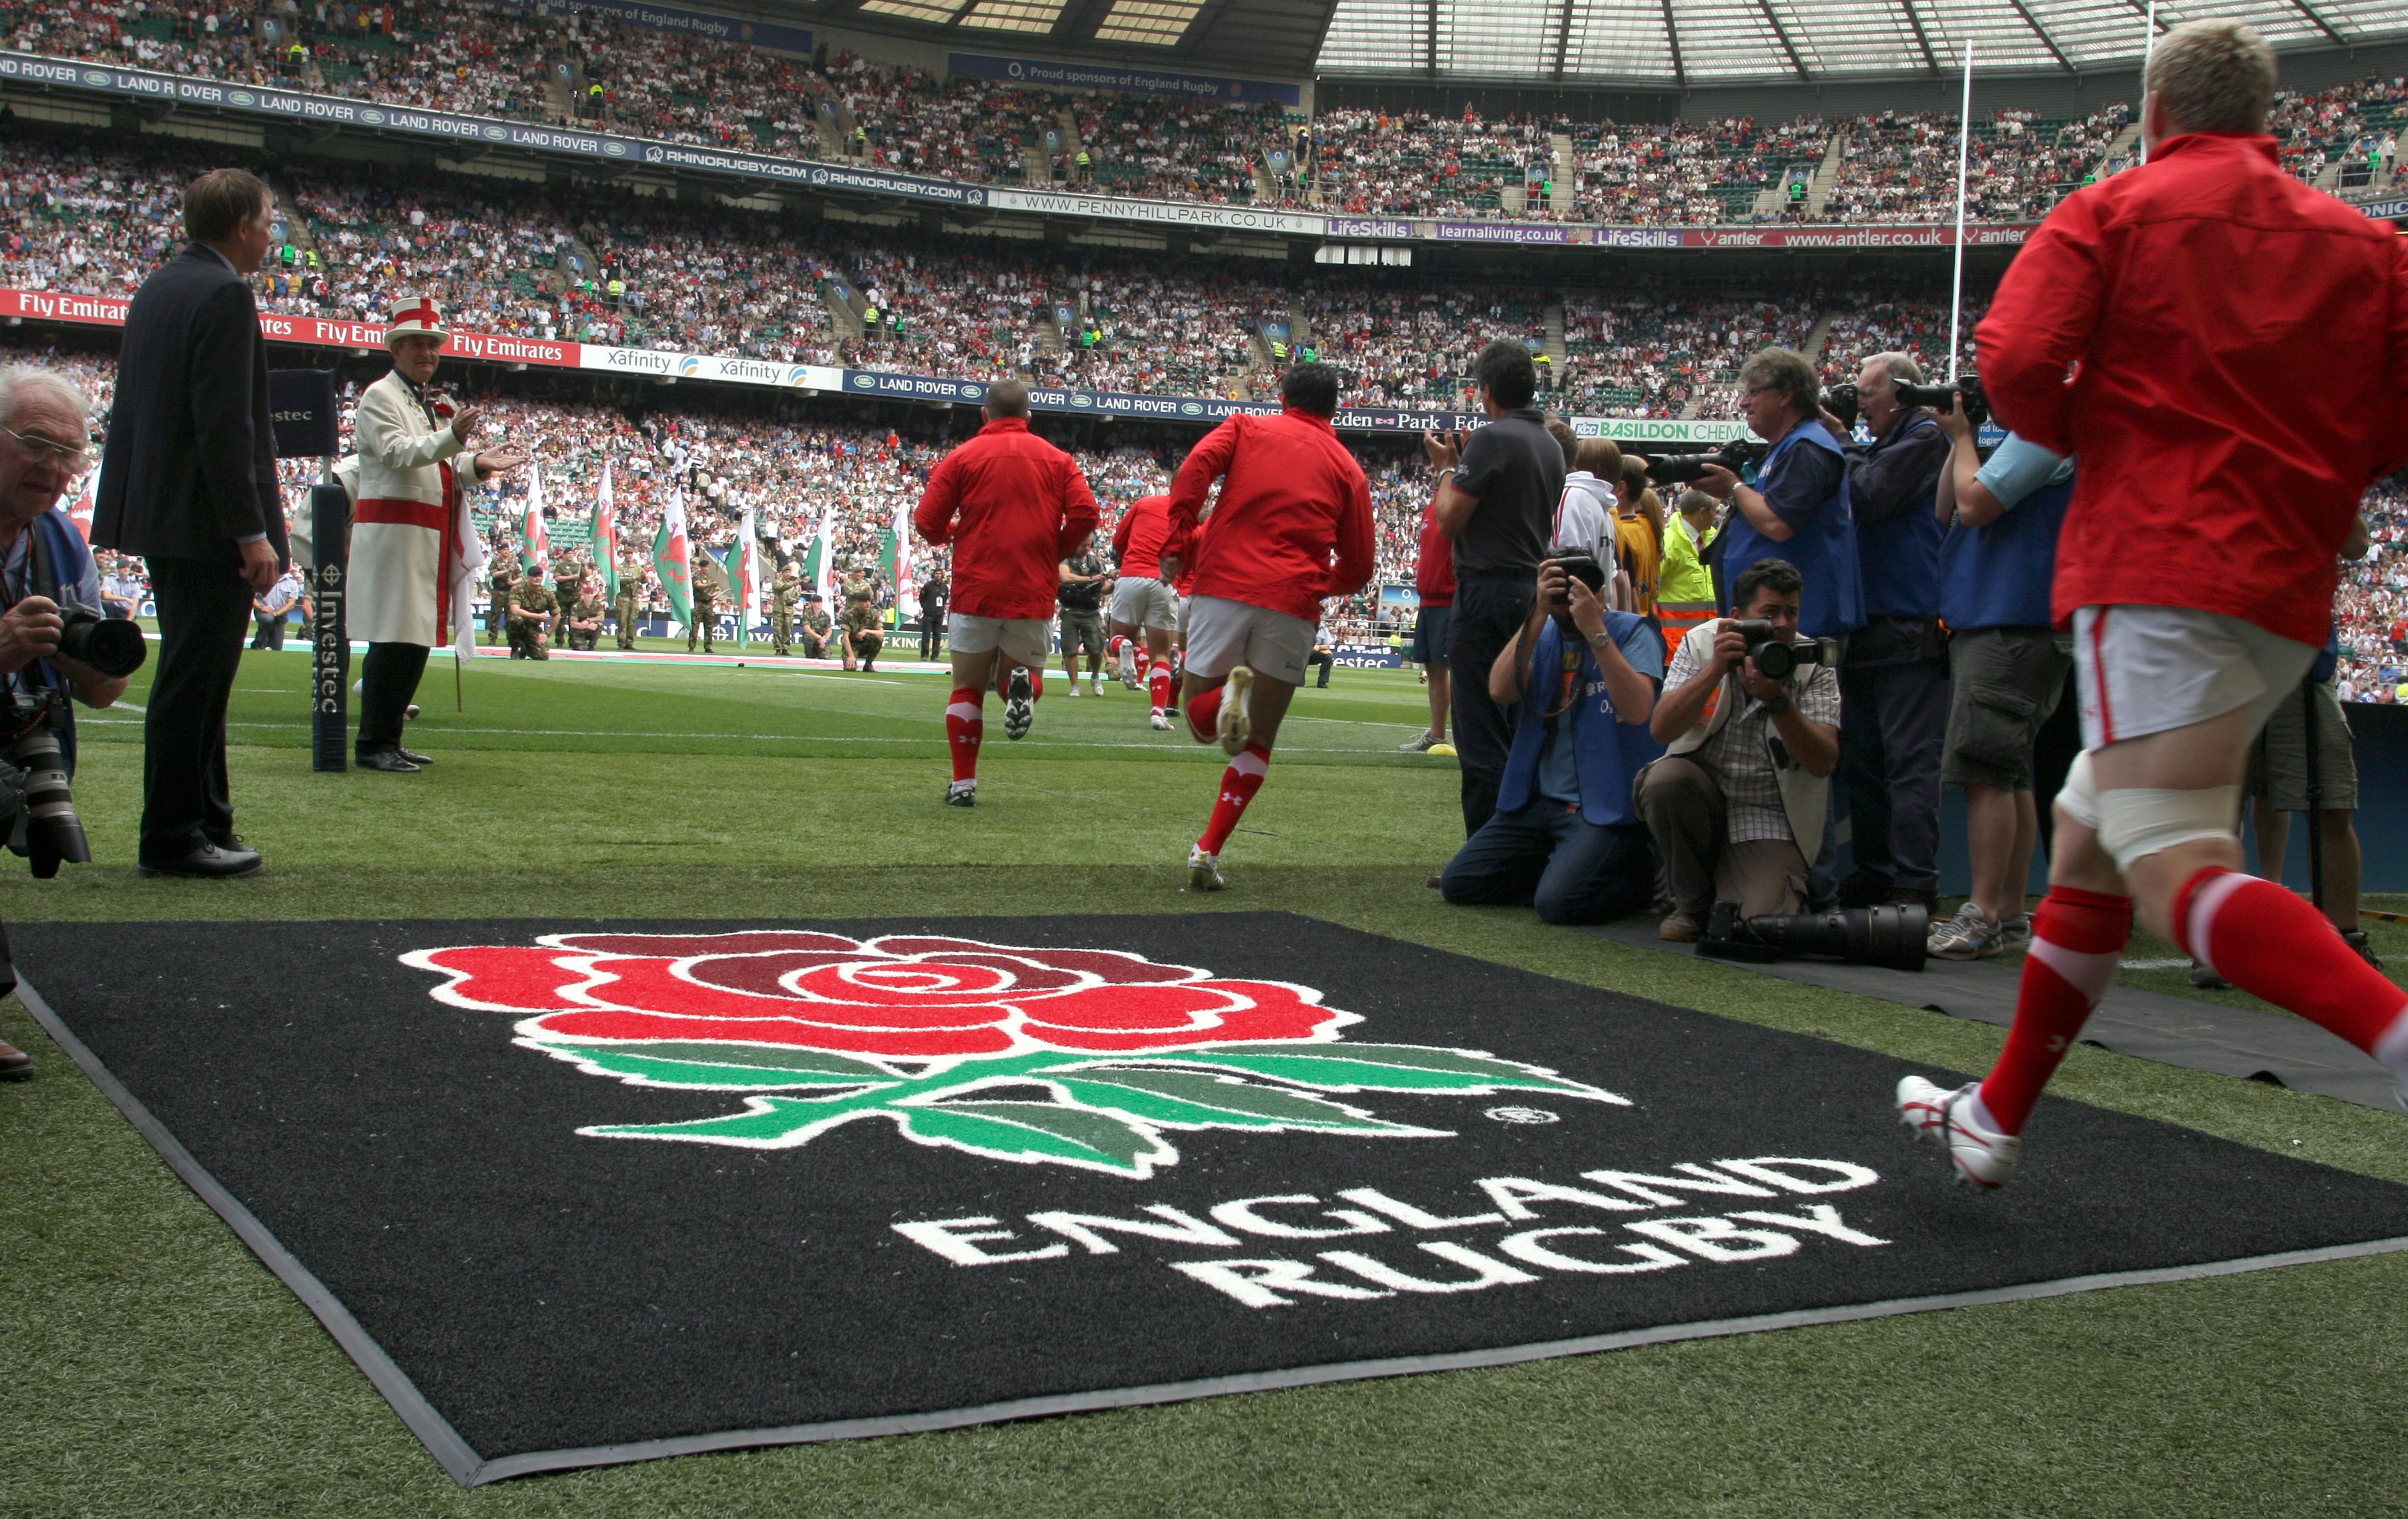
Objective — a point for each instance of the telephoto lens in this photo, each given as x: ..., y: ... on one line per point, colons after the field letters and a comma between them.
x: 113, y: 647
x: 54, y: 833
x: 1865, y: 935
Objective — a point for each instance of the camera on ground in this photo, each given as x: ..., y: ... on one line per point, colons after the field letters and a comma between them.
x: 1776, y: 656
x: 1688, y: 468
x: 1892, y: 935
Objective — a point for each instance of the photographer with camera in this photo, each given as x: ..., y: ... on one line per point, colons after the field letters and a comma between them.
x: 1798, y: 509
x: 1750, y: 717
x: 1565, y: 837
x: 48, y: 634
x: 2008, y: 667
x: 1896, y: 680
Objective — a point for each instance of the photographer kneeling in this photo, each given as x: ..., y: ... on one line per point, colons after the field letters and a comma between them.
x: 44, y: 445
x: 1564, y: 837
x: 1741, y: 795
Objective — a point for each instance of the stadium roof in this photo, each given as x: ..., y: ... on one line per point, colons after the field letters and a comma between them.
x: 1651, y: 44
x: 1706, y: 42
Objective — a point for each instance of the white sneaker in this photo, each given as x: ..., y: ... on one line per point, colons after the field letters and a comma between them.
x: 2015, y: 935
x: 1944, y: 1117
x: 1971, y: 935
x: 1074, y: 689
x: 1128, y: 666
x: 1203, y: 870
x: 1161, y: 721
x: 962, y: 794
x: 1237, y: 722
x: 1094, y: 685
x: 1018, y: 703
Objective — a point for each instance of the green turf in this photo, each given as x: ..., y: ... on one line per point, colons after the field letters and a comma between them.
x: 149, y: 1366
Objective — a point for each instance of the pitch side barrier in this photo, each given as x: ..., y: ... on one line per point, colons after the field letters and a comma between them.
x: 261, y: 103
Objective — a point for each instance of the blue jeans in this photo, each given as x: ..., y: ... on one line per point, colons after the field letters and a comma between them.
x: 1547, y: 856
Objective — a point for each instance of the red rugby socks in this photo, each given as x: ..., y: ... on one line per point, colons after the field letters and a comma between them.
x: 1204, y: 714
x: 2078, y: 938
x: 1238, y: 782
x: 1159, y: 683
x: 2271, y: 942
x: 965, y: 726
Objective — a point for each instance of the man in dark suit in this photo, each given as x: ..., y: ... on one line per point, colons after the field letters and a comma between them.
x: 187, y: 481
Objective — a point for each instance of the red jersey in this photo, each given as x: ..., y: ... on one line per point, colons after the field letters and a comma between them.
x: 1022, y: 505
x: 1138, y: 540
x: 1291, y: 499
x: 1434, y: 571
x: 2243, y: 343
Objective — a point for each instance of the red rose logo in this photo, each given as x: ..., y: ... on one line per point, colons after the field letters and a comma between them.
x: 910, y: 999
x: 1069, y: 1056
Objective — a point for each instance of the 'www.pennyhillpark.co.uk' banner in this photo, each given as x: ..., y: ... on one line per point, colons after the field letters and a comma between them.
x: 271, y: 103
x: 503, y: 348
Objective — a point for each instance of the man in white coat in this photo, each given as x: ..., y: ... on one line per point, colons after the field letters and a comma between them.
x: 415, y: 554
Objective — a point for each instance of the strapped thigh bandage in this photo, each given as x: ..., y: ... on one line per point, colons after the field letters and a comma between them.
x: 2137, y: 822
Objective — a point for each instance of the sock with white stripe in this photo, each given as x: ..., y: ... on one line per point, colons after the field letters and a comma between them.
x: 2078, y: 938
x: 2270, y: 942
x: 965, y: 726
x: 1238, y: 782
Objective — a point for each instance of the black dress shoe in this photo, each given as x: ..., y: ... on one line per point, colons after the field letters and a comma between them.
x: 208, y: 862
x: 15, y: 1064
x: 231, y: 847
x: 414, y: 757
x: 387, y: 760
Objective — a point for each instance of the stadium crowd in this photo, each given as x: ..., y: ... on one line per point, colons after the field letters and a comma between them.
x: 570, y: 64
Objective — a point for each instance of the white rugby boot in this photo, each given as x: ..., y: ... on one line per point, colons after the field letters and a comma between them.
x: 1236, y: 724
x: 1203, y: 870
x: 1018, y: 703
x: 1945, y: 1118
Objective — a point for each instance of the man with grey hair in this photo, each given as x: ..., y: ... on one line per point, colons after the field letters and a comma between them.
x: 1798, y: 508
x: 1895, y: 681
x: 45, y: 445
x: 2225, y: 350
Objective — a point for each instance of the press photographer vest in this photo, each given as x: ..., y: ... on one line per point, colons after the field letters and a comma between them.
x: 1900, y: 554
x: 1823, y: 546
x: 1607, y: 753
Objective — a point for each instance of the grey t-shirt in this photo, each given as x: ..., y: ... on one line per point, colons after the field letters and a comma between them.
x: 1517, y: 471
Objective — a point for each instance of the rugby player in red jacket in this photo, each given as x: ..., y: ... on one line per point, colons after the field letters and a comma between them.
x: 1013, y: 506
x: 1142, y: 599
x: 1293, y: 525
x: 2225, y: 352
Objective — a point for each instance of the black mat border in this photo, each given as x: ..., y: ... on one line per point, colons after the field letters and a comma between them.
x: 464, y: 1465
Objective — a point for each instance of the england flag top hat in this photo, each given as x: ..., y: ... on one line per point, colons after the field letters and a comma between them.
x: 415, y: 314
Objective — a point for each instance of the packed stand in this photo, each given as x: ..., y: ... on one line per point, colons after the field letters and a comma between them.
x: 1691, y: 172
x: 1649, y: 355
x: 2355, y: 126
x: 1901, y: 166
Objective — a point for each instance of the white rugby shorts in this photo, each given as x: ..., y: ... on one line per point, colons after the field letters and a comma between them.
x: 1222, y: 634
x: 2146, y: 670
x: 1028, y: 640
x: 1144, y: 601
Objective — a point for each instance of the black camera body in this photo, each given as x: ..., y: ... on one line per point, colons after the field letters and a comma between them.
x: 1776, y: 656
x: 1582, y: 567
x: 1893, y: 936
x: 1689, y: 469
x: 1841, y: 401
x: 1946, y: 398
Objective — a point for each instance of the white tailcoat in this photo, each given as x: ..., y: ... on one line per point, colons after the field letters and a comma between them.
x: 400, y: 511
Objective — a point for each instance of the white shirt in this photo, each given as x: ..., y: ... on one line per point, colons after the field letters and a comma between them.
x: 1584, y: 517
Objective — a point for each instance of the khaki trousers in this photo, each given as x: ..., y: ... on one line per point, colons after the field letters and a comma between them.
x: 1684, y: 810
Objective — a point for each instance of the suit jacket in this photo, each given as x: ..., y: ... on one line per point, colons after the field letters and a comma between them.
x: 189, y: 469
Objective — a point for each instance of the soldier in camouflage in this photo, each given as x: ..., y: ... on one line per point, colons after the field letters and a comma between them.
x: 585, y: 618
x: 532, y: 610
x: 815, y: 628
x: 631, y: 584
x: 785, y: 597
x: 499, y: 581
x: 705, y: 625
x: 864, y: 628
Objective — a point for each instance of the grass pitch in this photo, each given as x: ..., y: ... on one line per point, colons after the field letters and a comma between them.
x: 151, y: 1367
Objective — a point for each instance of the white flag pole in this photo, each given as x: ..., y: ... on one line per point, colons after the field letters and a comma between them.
x: 2148, y: 51
x: 1964, y: 147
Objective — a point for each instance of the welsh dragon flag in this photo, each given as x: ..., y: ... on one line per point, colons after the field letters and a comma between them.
x: 606, y: 537
x: 744, y: 577
x: 531, y: 533
x: 673, y: 559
